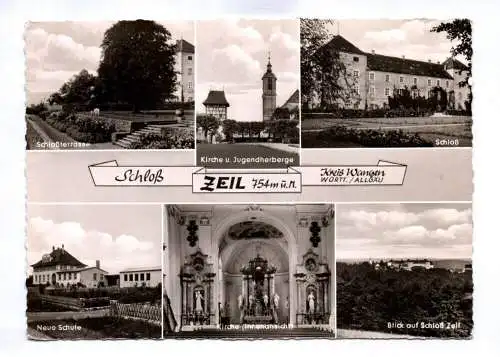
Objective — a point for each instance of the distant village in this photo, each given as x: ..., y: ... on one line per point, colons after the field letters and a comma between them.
x: 413, y: 264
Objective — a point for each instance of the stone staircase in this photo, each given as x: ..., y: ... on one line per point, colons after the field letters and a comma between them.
x: 127, y: 141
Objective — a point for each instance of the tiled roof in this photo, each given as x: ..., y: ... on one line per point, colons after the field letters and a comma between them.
x: 216, y: 97
x: 341, y: 44
x: 455, y: 64
x: 294, y: 98
x: 58, y: 256
x: 376, y: 62
x: 184, y: 46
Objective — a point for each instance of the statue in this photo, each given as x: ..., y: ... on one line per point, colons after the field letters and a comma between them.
x: 198, y: 306
x: 310, y: 302
x: 266, y: 300
x: 240, y: 301
x: 251, y: 302
x: 276, y: 301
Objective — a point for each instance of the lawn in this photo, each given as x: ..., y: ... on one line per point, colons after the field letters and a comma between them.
x: 232, y: 154
x: 98, y: 328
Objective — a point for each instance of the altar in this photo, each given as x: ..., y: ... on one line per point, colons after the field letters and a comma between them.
x: 258, y: 301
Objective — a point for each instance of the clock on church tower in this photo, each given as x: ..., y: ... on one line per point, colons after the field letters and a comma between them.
x: 268, y: 92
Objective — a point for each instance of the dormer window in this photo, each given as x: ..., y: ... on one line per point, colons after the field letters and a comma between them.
x: 355, y: 59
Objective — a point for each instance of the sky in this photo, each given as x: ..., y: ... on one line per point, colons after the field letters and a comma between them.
x: 378, y: 231
x: 55, y: 51
x: 411, y: 38
x: 120, y: 236
x: 232, y: 55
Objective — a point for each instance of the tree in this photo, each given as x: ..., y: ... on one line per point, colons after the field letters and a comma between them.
x: 78, y: 90
x: 323, y: 75
x: 208, y: 123
x: 459, y: 30
x: 137, y: 64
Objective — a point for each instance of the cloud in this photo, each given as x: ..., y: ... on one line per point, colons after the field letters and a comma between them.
x: 115, y: 253
x: 233, y: 59
x: 385, y: 36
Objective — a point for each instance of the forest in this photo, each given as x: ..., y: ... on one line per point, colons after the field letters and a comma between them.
x: 428, y: 303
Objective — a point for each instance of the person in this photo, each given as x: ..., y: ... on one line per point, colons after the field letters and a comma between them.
x: 287, y: 308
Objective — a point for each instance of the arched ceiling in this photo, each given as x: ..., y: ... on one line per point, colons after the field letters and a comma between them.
x: 241, y: 252
x: 253, y: 229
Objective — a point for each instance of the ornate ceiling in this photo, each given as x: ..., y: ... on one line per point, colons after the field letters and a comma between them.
x: 253, y: 229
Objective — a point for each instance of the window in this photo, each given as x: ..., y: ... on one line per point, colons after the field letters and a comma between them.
x: 438, y: 83
x: 190, y: 85
x: 447, y: 84
x: 102, y: 276
x: 125, y: 276
x: 58, y: 276
x: 74, y: 276
x: 142, y: 276
x: 429, y: 82
x: 355, y: 59
x: 401, y: 79
x: 387, y: 92
x: 190, y: 71
x: 356, y: 73
x: 148, y: 276
x: 136, y: 277
x: 269, y: 84
x: 387, y: 78
x: 95, y: 276
x: 372, y: 90
x: 131, y: 277
x: 371, y: 76
x: 415, y: 80
x: 356, y: 89
x: 190, y: 58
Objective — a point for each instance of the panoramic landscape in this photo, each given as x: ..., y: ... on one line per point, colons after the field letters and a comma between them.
x: 404, y: 271
x: 247, y: 95
x: 104, y: 85
x: 381, y: 83
x: 92, y: 277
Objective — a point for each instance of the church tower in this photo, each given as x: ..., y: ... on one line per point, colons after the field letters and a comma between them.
x: 268, y: 92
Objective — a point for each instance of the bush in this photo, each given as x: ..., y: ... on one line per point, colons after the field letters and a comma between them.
x: 368, y: 138
x: 83, y: 129
x: 169, y: 139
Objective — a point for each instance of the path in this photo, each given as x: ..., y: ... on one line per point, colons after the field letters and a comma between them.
x: 397, y: 127
x: 65, y: 315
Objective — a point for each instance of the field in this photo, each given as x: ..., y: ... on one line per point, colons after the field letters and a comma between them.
x: 437, y: 131
x: 233, y: 154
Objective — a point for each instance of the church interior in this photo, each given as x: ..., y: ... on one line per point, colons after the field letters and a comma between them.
x: 236, y: 266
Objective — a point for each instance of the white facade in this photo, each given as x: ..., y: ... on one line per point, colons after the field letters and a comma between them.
x: 185, y: 67
x: 137, y: 277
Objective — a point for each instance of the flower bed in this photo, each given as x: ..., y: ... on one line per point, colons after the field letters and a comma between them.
x: 364, y: 137
x: 171, y: 138
x: 83, y: 129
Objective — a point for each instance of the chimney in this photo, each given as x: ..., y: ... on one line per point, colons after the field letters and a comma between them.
x: 429, y: 61
x: 98, y: 264
x: 403, y: 56
x: 53, y: 248
x: 373, y: 51
x: 438, y: 62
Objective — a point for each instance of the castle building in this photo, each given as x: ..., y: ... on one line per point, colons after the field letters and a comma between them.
x: 184, y: 67
x: 268, y: 92
x: 216, y: 104
x: 137, y: 277
x: 259, y: 264
x: 60, y: 269
x: 371, y: 78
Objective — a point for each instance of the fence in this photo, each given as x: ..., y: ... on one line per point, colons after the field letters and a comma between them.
x: 144, y: 312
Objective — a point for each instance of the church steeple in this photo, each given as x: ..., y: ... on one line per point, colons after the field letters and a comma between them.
x: 268, y: 91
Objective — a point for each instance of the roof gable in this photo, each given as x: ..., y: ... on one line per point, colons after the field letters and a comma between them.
x: 184, y: 46
x: 453, y: 63
x: 294, y: 98
x: 216, y: 97
x: 339, y: 43
x: 58, y: 256
x: 376, y: 62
